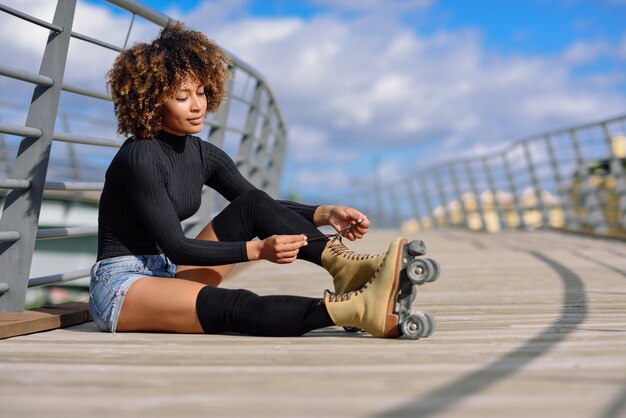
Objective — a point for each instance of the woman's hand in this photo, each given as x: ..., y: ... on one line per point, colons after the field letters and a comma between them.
x: 341, y: 217
x: 281, y: 249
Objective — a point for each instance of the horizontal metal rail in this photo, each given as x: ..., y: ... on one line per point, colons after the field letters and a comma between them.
x: 59, y: 278
x: 24, y: 131
x: 14, y: 184
x: 228, y: 128
x: 9, y: 236
x: 74, y: 186
x: 76, y: 231
x: 236, y: 130
x: 53, y: 185
x: 96, y: 42
x: 79, y: 139
x: 29, y: 77
x: 86, y: 92
x: 146, y: 12
x: 30, y: 18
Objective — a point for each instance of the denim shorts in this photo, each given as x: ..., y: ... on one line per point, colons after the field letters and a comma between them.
x: 112, y: 277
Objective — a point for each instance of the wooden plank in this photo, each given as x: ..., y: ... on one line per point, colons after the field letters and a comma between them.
x: 528, y: 324
x: 43, y: 319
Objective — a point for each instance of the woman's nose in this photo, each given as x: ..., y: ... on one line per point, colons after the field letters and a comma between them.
x: 195, y: 102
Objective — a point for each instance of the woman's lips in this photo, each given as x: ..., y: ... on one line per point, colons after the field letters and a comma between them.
x: 196, y: 121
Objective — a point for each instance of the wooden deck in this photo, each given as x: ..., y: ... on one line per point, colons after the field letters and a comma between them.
x: 529, y: 325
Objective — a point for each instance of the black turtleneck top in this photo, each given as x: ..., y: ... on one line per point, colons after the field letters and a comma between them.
x: 154, y: 184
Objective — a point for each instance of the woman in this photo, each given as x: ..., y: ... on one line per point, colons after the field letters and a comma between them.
x: 150, y: 277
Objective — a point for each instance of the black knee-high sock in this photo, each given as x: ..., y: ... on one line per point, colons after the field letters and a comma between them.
x: 256, y: 214
x: 242, y: 311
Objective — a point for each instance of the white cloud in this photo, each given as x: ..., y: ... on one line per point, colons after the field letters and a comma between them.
x: 371, y: 84
x: 582, y: 52
x: 333, y: 181
x: 313, y: 145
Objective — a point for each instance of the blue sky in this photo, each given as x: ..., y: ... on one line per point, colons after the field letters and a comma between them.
x: 523, y: 26
x: 378, y: 88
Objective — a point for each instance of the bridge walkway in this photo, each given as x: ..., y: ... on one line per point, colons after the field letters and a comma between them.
x: 529, y: 324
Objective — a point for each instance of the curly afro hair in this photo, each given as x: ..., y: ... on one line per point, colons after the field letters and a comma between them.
x: 145, y: 76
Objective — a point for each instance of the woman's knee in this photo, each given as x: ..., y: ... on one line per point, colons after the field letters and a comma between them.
x: 217, y: 309
x: 242, y: 218
x: 253, y: 198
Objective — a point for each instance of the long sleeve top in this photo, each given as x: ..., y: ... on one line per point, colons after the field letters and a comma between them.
x: 152, y: 185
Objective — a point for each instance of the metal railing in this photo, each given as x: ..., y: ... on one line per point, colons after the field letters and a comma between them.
x: 572, y: 179
x: 249, y: 126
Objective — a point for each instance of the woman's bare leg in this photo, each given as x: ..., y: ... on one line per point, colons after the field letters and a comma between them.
x: 183, y: 306
x: 161, y: 304
x: 211, y: 276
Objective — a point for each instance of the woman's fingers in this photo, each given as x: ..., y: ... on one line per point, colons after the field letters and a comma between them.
x: 284, y: 249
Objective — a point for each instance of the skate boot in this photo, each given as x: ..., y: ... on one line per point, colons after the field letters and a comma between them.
x: 350, y: 270
x: 382, y: 306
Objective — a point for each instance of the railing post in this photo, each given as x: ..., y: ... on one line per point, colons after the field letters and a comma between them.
x: 414, y: 204
x: 492, y: 187
x: 395, y: 204
x: 378, y: 197
x: 244, y: 156
x: 428, y: 202
x: 595, y: 218
x: 568, y: 212
x: 535, y: 181
x: 22, y: 206
x: 262, y: 155
x: 472, y: 181
x: 277, y: 156
x: 386, y: 217
x: 617, y: 171
x: 71, y: 153
x: 4, y: 153
x: 457, y: 191
x: 513, y: 188
x: 442, y: 196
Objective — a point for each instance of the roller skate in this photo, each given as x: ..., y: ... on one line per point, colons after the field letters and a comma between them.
x: 382, y: 306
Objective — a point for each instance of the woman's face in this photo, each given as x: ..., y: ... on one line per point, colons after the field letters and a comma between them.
x: 184, y: 113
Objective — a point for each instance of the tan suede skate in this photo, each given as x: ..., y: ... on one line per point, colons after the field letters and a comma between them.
x: 371, y: 307
x: 350, y: 270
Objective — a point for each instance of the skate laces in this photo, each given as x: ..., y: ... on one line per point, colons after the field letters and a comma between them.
x: 338, y: 248
x: 337, y: 235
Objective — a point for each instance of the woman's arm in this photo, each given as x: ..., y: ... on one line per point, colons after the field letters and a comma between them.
x: 142, y: 176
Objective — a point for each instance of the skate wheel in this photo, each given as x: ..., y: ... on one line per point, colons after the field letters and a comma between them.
x: 423, y: 270
x: 435, y: 269
x: 416, y: 248
x: 352, y: 330
x: 417, y: 325
x: 431, y: 323
x: 418, y: 271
